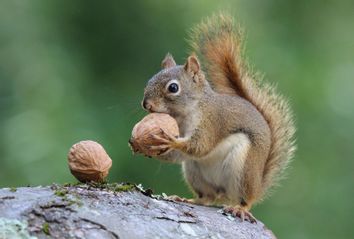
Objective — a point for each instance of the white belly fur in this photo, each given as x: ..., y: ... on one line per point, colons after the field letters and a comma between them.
x: 223, y: 167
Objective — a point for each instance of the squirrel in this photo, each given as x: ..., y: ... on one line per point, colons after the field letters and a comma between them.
x: 236, y: 132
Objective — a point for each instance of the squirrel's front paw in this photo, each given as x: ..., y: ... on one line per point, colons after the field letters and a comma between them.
x: 166, y: 143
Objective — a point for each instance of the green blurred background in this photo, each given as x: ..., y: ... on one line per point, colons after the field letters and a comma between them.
x: 75, y: 70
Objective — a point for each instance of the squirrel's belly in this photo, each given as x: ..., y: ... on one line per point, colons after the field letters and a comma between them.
x: 223, y: 167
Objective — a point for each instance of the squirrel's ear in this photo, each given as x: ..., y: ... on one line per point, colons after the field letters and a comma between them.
x: 168, y: 62
x: 192, y: 65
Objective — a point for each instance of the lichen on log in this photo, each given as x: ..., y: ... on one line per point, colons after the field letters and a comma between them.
x: 112, y: 211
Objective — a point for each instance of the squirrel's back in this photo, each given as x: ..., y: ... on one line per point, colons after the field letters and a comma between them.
x: 219, y: 45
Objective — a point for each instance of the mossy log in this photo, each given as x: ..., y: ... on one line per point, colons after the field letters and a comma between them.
x: 112, y: 211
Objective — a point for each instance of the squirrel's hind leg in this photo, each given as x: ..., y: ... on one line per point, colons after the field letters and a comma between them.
x: 205, y: 193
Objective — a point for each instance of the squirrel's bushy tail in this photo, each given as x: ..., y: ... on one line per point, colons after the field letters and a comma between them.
x: 219, y: 43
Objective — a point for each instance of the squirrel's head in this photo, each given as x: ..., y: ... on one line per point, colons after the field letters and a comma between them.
x: 176, y: 89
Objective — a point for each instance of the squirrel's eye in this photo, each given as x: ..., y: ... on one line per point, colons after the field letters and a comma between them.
x: 173, y: 88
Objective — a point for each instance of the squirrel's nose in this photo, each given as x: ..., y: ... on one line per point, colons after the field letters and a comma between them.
x: 146, y: 104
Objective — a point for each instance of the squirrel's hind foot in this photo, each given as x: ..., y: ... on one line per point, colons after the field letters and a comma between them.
x: 196, y: 201
x: 176, y: 198
x: 241, y: 212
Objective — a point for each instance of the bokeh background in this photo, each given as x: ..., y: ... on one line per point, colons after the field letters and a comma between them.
x: 75, y: 70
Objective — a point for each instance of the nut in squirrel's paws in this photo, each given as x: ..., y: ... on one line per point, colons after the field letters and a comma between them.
x: 154, y: 135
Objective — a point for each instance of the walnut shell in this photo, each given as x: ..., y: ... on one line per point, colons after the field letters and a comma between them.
x: 152, y: 124
x: 88, y: 161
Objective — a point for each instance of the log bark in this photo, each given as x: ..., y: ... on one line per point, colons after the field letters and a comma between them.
x: 112, y: 211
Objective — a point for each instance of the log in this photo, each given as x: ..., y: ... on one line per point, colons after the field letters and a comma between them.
x: 112, y: 211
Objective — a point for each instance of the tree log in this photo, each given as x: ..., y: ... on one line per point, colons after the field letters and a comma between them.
x: 112, y: 211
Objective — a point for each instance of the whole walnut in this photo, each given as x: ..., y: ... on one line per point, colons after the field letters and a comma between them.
x: 152, y: 124
x: 88, y: 161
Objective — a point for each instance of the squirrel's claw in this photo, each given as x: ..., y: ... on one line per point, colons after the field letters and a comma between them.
x: 160, y: 149
x: 241, y: 212
x: 159, y: 138
x: 176, y: 198
x: 168, y: 136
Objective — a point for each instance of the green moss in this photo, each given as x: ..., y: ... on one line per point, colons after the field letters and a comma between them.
x: 74, y: 201
x: 72, y: 184
x: 115, y: 187
x: 123, y: 187
x: 45, y: 228
x: 61, y: 192
x: 101, y: 185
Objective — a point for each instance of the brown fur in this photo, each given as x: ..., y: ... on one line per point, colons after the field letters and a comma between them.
x: 207, y: 120
x: 235, y: 135
x: 220, y: 44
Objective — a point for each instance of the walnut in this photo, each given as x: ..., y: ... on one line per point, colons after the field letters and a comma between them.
x: 88, y: 161
x: 152, y: 124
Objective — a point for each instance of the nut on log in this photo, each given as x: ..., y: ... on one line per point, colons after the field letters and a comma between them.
x: 152, y: 124
x: 88, y: 161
